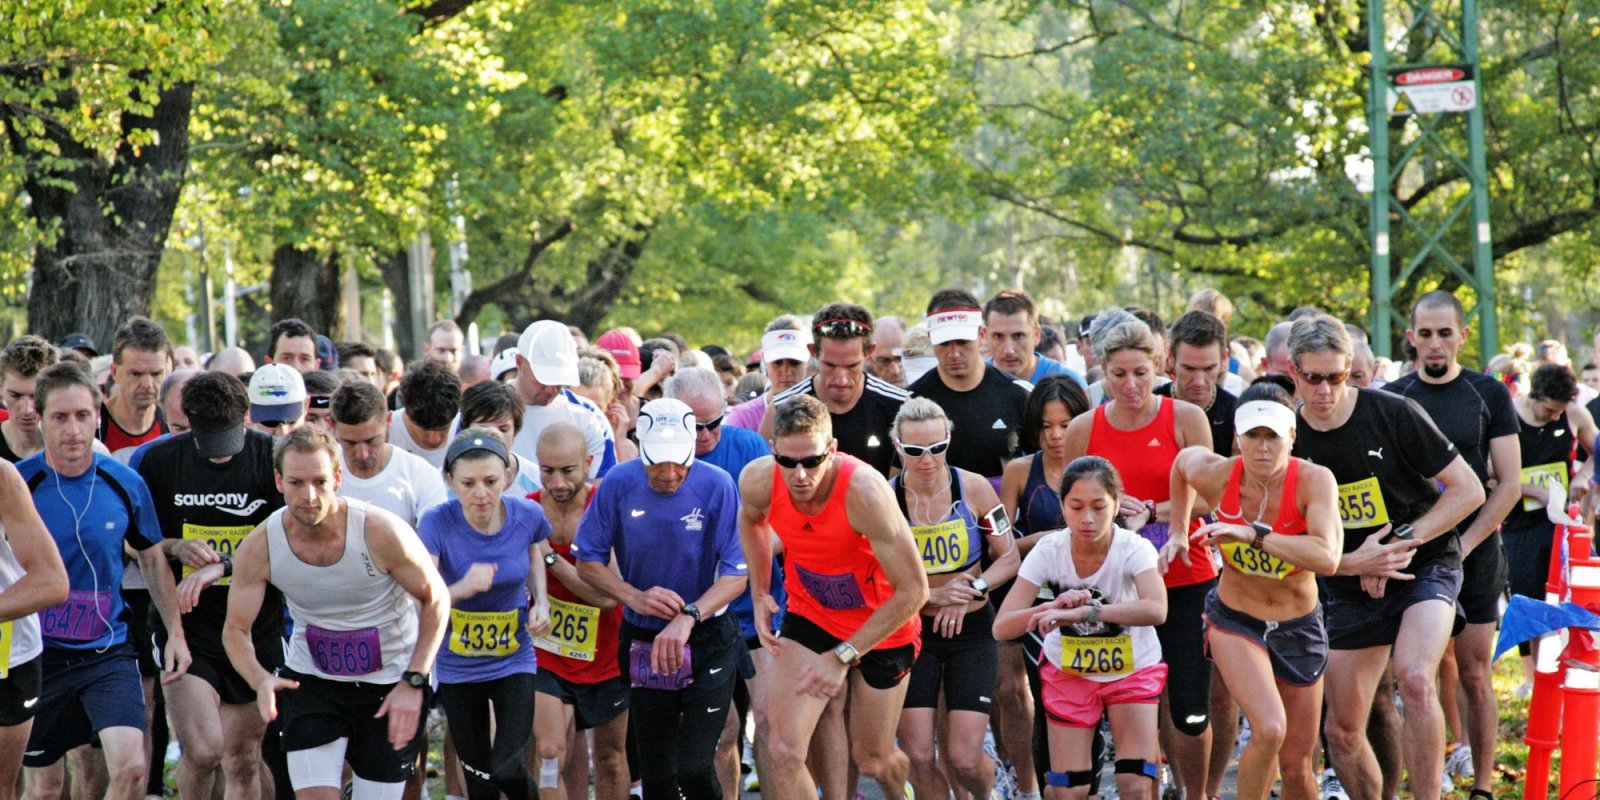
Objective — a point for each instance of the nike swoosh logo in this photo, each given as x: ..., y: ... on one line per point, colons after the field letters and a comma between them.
x: 30, y: 704
x: 712, y: 710
x: 638, y: 512
x: 618, y: 703
x: 715, y: 671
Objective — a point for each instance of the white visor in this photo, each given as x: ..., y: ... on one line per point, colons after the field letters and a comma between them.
x: 954, y: 324
x: 1277, y: 417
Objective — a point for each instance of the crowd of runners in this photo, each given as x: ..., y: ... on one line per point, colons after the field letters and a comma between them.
x: 985, y: 555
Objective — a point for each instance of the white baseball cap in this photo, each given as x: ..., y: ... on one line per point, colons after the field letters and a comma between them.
x: 666, y: 432
x: 1274, y: 416
x: 277, y: 394
x: 548, y: 347
x: 954, y: 324
x: 503, y: 362
x: 785, y: 345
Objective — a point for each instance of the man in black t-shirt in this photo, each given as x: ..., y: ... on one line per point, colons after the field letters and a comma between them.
x: 1474, y: 412
x: 984, y: 405
x: 1395, y: 589
x: 211, y: 486
x: 862, y: 406
x: 1197, y: 350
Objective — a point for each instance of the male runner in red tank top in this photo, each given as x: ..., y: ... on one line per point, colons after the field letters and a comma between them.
x: 855, y: 584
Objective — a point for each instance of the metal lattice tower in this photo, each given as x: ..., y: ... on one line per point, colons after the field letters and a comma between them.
x: 1425, y: 100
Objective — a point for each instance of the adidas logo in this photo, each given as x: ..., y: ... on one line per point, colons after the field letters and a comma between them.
x: 807, y: 527
x: 999, y: 425
x: 1154, y: 442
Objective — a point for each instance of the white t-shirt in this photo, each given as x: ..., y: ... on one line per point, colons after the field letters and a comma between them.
x: 1050, y: 564
x: 400, y: 437
x: 406, y: 487
x: 566, y: 407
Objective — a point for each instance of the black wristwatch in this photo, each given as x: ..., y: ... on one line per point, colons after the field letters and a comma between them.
x: 980, y: 585
x: 551, y: 558
x: 693, y: 611
x: 1261, y: 529
x: 227, y: 566
x: 415, y: 680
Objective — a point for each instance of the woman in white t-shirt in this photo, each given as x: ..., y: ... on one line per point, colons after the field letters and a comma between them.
x: 1101, y: 652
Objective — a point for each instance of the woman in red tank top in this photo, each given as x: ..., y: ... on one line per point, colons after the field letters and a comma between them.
x: 1140, y: 434
x: 1277, y: 524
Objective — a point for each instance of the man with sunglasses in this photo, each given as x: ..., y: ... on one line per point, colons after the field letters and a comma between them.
x: 855, y: 584
x: 1394, y: 593
x: 861, y: 405
x: 1475, y: 413
x: 277, y: 399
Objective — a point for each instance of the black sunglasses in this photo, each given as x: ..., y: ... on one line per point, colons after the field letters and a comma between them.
x: 712, y: 425
x: 809, y: 462
x: 273, y: 424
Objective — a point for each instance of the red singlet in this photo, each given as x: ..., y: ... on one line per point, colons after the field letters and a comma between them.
x: 605, y: 666
x: 832, y: 575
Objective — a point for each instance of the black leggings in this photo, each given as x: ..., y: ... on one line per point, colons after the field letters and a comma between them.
x: 1182, y: 639
x: 678, y: 730
x: 503, y: 766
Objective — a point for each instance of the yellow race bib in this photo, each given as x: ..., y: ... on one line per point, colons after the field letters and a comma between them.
x: 574, y: 630
x: 943, y: 546
x: 1252, y: 561
x: 1543, y: 476
x: 5, y: 649
x: 483, y: 633
x: 1097, y: 656
x: 224, y: 539
x: 1361, y: 504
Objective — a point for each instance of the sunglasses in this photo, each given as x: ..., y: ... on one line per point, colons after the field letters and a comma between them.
x: 840, y: 329
x: 273, y: 424
x: 1331, y: 378
x: 809, y: 462
x: 712, y: 425
x: 920, y: 450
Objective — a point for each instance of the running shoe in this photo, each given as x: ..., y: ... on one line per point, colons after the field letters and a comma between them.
x: 1331, y: 789
x: 1458, y: 763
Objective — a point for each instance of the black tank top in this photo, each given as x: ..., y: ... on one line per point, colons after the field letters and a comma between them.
x: 1546, y: 453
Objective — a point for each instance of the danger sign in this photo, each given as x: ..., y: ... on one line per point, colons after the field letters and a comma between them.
x: 1447, y: 89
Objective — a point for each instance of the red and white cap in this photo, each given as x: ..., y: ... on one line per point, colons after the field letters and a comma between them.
x: 954, y: 325
x: 785, y: 345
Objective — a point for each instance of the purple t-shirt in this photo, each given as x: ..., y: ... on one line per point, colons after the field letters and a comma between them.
x: 682, y: 541
x: 487, y: 637
x: 748, y: 414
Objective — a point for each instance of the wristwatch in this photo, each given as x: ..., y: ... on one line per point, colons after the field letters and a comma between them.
x: 551, y: 558
x: 980, y: 585
x: 1261, y: 529
x: 693, y: 611
x: 847, y: 654
x: 415, y: 680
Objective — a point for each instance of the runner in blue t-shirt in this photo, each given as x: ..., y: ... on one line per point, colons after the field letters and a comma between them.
x: 91, y: 505
x: 486, y: 545
x: 672, y: 525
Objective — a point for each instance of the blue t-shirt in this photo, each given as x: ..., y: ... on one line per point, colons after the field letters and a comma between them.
x: 737, y: 448
x: 477, y: 646
x: 89, y: 517
x: 682, y: 541
x: 1049, y: 366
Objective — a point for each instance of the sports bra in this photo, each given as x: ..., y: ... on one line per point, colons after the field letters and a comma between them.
x: 1242, y: 557
x: 952, y: 544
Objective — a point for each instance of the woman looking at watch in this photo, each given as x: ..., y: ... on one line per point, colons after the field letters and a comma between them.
x: 953, y: 515
x: 1277, y: 524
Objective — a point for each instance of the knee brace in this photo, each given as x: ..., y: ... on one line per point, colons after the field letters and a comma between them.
x: 549, y: 773
x: 1136, y: 766
x: 1067, y: 780
x: 363, y: 789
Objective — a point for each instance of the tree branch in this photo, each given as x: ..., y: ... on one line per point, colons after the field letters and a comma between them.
x: 516, y: 281
x: 1047, y: 50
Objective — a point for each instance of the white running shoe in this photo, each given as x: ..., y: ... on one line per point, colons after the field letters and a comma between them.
x: 1332, y: 789
x: 1458, y: 764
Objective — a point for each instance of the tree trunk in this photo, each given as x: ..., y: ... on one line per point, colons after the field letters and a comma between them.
x: 112, y: 216
x: 305, y: 285
x: 396, y: 269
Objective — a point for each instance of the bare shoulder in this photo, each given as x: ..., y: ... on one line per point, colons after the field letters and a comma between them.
x: 755, y: 482
x: 978, y: 490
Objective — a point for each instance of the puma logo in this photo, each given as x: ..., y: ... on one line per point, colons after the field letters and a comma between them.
x: 1378, y: 453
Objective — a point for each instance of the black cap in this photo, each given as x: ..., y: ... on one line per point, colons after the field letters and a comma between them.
x: 217, y: 441
x: 78, y: 341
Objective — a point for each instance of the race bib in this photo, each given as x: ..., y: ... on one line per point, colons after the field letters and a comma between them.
x: 641, y: 676
x: 574, y: 630
x: 482, y: 634
x: 224, y: 539
x: 1252, y: 561
x: 84, y: 617
x: 345, y: 653
x: 1361, y: 504
x: 1543, y: 476
x: 5, y: 649
x: 1097, y: 656
x: 943, y: 546
x: 840, y: 592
